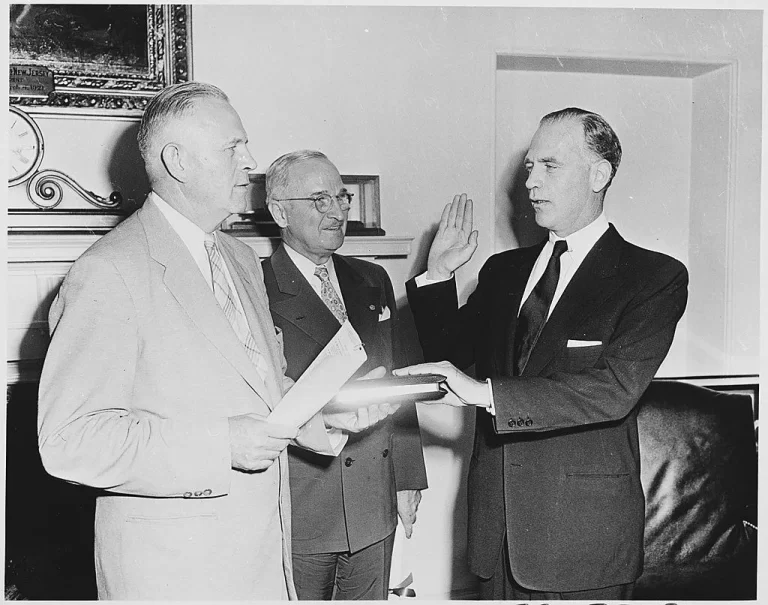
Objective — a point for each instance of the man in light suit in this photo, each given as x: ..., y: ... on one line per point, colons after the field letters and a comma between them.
x: 565, y: 337
x: 345, y: 509
x: 162, y: 368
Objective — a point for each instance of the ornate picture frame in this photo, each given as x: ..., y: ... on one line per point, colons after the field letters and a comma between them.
x: 91, y: 67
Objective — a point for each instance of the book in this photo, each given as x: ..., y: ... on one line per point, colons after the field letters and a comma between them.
x: 392, y: 389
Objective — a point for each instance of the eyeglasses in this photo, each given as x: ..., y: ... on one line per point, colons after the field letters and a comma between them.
x: 324, y: 201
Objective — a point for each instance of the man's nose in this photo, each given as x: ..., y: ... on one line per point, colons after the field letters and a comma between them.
x: 532, y: 181
x: 249, y: 164
x: 335, y: 210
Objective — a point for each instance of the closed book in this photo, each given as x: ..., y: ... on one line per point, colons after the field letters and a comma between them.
x: 392, y: 389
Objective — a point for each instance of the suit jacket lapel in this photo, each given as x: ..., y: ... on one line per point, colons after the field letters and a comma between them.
x: 257, y: 316
x: 185, y: 282
x: 298, y: 303
x: 362, y: 302
x: 588, y: 287
x: 509, y: 305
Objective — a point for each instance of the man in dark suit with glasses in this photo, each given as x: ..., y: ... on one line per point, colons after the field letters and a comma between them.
x: 346, y: 508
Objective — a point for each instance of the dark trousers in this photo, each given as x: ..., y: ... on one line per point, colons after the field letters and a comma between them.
x: 344, y: 576
x: 501, y: 586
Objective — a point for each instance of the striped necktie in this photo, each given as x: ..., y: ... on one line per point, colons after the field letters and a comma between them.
x: 329, y: 295
x: 226, y: 299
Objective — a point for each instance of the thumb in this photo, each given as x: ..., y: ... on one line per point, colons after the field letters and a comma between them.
x: 473, y: 240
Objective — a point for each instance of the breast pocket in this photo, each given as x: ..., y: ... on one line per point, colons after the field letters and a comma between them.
x: 576, y: 359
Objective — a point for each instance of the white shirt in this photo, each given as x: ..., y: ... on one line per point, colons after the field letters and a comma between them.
x: 580, y: 244
x: 307, y: 268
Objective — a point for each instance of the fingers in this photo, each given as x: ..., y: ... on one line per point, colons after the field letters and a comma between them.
x: 378, y: 372
x: 467, y: 215
x: 453, y: 212
x: 444, y: 217
x: 440, y: 367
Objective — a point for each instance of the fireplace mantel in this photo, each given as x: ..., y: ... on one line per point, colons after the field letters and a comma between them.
x: 38, y: 261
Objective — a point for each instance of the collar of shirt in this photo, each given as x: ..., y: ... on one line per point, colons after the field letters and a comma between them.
x: 192, y: 235
x: 579, y: 245
x: 307, y: 269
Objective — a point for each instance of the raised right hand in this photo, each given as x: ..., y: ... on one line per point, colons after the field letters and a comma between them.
x: 255, y: 443
x: 455, y: 241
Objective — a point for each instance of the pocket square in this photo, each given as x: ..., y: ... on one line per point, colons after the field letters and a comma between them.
x: 384, y: 315
x: 583, y: 343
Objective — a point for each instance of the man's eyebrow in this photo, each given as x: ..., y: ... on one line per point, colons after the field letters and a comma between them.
x: 234, y: 141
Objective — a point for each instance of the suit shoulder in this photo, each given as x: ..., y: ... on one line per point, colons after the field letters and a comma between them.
x: 124, y: 243
x: 240, y: 248
x: 637, y: 258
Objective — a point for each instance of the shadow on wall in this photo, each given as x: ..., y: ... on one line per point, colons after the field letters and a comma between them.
x: 126, y: 170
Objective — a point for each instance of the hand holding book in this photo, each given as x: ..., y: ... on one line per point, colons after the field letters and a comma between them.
x: 461, y: 390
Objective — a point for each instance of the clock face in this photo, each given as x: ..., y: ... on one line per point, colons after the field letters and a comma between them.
x: 25, y: 146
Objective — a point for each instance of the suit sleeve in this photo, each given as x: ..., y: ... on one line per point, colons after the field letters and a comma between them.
x: 608, y: 388
x: 407, y: 451
x: 89, y: 430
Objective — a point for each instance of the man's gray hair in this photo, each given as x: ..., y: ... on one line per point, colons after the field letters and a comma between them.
x: 599, y: 137
x: 277, y: 173
x: 172, y: 102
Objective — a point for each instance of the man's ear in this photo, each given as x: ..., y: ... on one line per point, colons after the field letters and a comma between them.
x: 174, y: 162
x: 279, y: 215
x: 601, y: 175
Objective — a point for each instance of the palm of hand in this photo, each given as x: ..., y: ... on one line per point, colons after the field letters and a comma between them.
x: 455, y: 241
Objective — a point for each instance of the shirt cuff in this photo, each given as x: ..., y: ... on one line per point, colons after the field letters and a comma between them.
x: 337, y: 438
x: 492, y: 407
x: 423, y: 280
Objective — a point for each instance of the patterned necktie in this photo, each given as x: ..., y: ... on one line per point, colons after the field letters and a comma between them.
x: 329, y: 295
x: 534, y: 312
x: 225, y: 298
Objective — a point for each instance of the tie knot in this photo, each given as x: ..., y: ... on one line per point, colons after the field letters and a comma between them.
x: 560, y: 246
x: 321, y: 272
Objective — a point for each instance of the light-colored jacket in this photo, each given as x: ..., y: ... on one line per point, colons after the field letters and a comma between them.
x: 141, y: 376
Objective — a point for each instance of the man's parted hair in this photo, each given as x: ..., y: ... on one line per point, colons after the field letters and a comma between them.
x: 277, y: 173
x: 599, y: 137
x: 172, y: 102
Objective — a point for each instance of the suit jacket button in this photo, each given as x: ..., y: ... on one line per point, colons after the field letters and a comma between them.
x: 520, y: 422
x: 198, y: 494
x: 529, y: 422
x: 385, y: 453
x: 207, y: 492
x: 187, y: 494
x: 372, y: 307
x: 348, y: 462
x: 511, y: 423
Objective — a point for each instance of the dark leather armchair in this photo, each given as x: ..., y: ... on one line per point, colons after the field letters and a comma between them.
x: 699, y: 475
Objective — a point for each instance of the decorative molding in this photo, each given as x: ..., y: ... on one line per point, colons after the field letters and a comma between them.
x: 55, y: 247
x: 44, y: 191
x: 23, y: 371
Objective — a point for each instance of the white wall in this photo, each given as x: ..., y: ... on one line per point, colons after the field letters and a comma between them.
x: 409, y: 94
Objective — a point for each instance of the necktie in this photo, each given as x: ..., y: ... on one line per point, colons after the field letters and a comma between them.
x: 329, y: 295
x: 225, y: 298
x: 534, y: 312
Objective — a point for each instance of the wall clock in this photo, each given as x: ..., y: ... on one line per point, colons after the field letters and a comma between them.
x: 25, y: 146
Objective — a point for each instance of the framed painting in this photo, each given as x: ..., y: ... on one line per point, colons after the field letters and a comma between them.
x: 100, y: 58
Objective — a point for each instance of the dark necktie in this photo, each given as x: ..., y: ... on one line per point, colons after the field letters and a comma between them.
x: 534, y: 312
